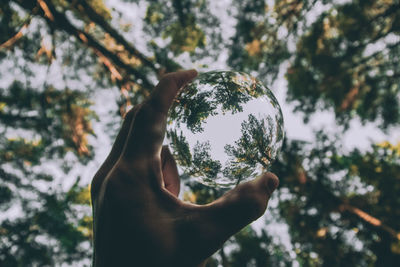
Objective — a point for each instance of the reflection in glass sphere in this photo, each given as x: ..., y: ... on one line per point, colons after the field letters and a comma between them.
x: 225, y: 128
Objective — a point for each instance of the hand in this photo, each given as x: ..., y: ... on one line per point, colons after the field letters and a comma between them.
x: 138, y: 219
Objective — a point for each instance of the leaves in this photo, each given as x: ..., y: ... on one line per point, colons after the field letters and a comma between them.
x: 56, y: 56
x: 334, y: 64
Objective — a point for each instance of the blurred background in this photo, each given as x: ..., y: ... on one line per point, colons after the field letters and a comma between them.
x: 70, y: 69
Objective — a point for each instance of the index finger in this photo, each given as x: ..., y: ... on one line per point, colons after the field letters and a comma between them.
x: 168, y: 87
x: 147, y: 131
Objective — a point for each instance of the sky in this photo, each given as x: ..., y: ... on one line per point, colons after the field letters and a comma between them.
x: 358, y: 136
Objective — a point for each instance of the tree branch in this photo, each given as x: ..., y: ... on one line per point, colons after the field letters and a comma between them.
x: 99, y: 20
x: 225, y: 261
x: 10, y: 42
x: 344, y: 206
x: 53, y: 17
x: 369, y: 219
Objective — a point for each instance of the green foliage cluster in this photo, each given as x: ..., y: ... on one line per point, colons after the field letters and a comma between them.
x: 340, y: 205
x: 340, y: 62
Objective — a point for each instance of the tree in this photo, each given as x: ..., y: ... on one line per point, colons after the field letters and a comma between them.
x: 55, y: 55
x: 335, y: 212
x: 338, y: 64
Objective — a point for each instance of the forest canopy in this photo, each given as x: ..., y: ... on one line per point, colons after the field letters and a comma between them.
x: 70, y: 70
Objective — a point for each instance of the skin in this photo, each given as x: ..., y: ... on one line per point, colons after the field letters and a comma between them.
x: 138, y: 218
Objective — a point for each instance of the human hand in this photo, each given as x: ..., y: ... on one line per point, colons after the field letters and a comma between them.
x: 138, y: 218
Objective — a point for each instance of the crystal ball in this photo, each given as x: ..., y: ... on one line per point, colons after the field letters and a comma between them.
x: 224, y: 128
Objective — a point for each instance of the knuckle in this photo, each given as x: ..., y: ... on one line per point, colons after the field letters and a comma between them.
x: 123, y: 179
x: 167, y: 78
x: 145, y: 109
x: 132, y: 112
x: 152, y: 107
x: 169, y: 81
x: 147, y: 114
x: 136, y: 164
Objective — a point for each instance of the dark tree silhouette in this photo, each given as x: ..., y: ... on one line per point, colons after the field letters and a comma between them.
x: 339, y: 204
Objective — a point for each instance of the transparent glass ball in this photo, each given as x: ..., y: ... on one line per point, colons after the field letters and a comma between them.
x: 224, y: 128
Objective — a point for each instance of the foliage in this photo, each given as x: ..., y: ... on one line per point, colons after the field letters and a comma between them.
x: 339, y: 205
x: 335, y: 207
x: 348, y: 60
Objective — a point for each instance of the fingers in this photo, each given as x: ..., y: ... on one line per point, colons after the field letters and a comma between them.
x: 170, y: 172
x: 116, y: 149
x: 121, y: 139
x: 148, y: 130
x: 217, y: 222
x: 243, y: 204
x: 168, y: 88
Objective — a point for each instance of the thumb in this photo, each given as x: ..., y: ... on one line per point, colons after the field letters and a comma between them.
x: 224, y: 217
x: 242, y: 205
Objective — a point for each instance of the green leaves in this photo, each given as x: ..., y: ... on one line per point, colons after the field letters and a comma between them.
x: 335, y: 195
x: 337, y: 65
x: 339, y: 204
x: 184, y: 38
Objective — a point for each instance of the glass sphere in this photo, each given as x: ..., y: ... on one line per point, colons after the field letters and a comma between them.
x: 224, y: 128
